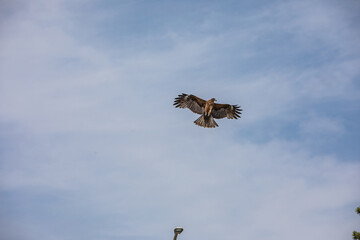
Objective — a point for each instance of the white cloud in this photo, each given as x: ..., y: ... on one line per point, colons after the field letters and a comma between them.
x: 315, y: 124
x: 238, y: 189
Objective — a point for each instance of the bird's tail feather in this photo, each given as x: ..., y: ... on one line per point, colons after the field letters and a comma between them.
x: 206, y: 122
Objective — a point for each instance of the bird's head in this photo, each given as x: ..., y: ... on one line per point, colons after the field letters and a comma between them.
x: 213, y: 99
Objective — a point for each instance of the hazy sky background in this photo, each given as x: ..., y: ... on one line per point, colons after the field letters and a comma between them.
x: 92, y: 148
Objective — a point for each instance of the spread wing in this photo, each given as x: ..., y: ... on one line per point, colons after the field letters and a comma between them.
x: 226, y: 110
x: 192, y: 102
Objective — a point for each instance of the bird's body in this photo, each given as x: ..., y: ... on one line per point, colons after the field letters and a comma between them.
x: 209, y: 105
x: 208, y: 109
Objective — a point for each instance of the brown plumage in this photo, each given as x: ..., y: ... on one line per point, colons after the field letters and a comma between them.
x: 208, y: 109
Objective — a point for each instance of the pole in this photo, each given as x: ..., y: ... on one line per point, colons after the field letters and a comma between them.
x: 177, y: 231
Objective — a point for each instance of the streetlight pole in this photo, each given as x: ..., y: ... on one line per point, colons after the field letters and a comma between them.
x: 177, y: 231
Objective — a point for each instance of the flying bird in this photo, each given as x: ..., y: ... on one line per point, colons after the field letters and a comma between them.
x: 208, y: 109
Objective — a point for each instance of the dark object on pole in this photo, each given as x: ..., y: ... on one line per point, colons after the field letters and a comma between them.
x: 177, y: 231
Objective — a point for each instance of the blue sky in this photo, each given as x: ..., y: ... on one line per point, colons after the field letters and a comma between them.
x: 92, y: 148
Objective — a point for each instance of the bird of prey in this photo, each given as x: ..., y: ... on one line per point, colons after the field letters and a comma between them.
x: 208, y: 109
